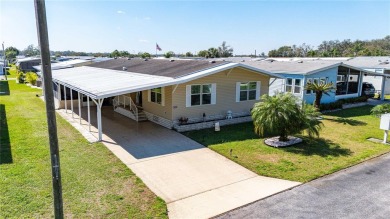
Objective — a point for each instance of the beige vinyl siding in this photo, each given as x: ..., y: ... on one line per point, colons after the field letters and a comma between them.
x: 225, y: 94
x: 157, y: 109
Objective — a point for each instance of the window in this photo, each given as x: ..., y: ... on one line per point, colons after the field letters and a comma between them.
x: 200, y: 94
x: 248, y: 91
x: 156, y: 95
x: 293, y: 85
x: 289, y: 85
x: 297, y: 86
x: 347, y: 81
x: 309, y: 81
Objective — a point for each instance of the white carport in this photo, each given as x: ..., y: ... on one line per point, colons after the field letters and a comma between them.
x: 383, y: 85
x: 98, y: 84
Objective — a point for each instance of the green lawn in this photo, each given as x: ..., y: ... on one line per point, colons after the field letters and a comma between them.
x: 95, y: 183
x: 342, y: 143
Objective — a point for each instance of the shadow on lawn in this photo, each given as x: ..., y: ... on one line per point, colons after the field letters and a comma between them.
x: 346, y: 121
x: 5, y: 145
x: 318, y: 146
x: 4, y: 88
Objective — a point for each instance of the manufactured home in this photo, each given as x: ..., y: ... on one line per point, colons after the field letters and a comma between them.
x: 172, y: 93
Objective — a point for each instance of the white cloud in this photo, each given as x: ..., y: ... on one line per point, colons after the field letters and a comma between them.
x: 121, y: 12
x: 147, y: 18
x: 143, y: 41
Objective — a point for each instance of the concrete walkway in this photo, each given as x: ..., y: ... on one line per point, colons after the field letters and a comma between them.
x: 194, y: 181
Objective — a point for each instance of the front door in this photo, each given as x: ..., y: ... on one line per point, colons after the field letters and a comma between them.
x: 138, y: 100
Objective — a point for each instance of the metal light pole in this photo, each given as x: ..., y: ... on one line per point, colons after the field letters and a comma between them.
x: 40, y: 14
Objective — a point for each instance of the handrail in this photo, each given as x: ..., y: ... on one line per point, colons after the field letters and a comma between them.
x: 127, y: 101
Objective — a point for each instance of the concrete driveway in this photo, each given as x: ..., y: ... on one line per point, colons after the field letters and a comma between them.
x: 362, y: 191
x: 194, y: 181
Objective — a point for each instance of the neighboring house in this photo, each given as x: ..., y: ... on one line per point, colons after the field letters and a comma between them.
x: 377, y: 64
x: 66, y: 64
x: 26, y: 64
x: 166, y: 92
x: 346, y: 78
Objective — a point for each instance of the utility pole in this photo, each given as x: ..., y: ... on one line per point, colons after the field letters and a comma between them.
x: 40, y: 14
x: 4, y: 67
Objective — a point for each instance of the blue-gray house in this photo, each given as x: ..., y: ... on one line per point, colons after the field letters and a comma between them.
x: 346, y: 78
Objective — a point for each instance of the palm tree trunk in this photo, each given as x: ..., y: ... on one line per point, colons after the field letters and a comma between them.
x: 283, y: 135
x: 317, y: 102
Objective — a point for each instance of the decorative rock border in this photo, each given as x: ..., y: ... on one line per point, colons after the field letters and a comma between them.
x: 274, y: 142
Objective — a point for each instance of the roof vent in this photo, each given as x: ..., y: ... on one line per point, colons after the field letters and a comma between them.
x: 124, y: 68
x: 300, y: 61
x: 128, y: 58
x: 145, y: 59
x: 243, y: 60
x: 172, y: 60
x: 213, y: 61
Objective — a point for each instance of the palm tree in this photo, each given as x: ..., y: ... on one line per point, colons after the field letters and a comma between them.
x: 225, y: 50
x: 319, y: 89
x: 282, y: 114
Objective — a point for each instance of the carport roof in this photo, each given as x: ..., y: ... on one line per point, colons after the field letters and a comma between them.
x: 100, y: 83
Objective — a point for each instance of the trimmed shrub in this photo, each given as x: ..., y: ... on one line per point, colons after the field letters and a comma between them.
x: 339, y: 104
x: 20, y: 77
x: 31, y: 78
x: 380, y: 109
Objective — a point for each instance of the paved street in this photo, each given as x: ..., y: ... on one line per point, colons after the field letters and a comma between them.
x: 362, y: 191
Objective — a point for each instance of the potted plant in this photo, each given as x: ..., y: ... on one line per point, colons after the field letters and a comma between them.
x: 183, y: 120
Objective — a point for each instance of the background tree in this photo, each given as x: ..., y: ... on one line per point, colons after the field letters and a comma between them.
x: 203, y: 53
x: 281, y: 114
x: 169, y: 54
x: 225, y: 50
x: 189, y: 54
x: 115, y: 53
x: 213, y: 52
x: 145, y: 55
x: 319, y: 89
x: 11, y: 53
x: 31, y: 50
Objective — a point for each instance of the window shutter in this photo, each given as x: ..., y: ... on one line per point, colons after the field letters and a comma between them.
x: 238, y: 91
x: 258, y: 88
x: 213, y: 93
x: 163, y: 96
x: 149, y: 94
x: 188, y: 95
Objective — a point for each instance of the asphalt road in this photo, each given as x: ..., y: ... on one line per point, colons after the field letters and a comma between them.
x: 362, y: 191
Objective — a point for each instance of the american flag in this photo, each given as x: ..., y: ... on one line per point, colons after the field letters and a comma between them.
x: 158, y: 47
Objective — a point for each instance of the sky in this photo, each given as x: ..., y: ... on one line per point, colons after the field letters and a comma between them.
x: 182, y: 26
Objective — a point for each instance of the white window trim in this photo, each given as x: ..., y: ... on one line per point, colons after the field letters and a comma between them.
x: 258, y: 91
x: 213, y: 100
x: 162, y: 96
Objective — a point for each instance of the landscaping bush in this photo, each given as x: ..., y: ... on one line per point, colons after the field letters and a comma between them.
x: 331, y: 106
x: 354, y: 100
x: 31, y: 78
x: 339, y: 104
x: 20, y: 77
x: 380, y: 109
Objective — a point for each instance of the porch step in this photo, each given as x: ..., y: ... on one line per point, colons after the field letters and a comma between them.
x: 142, y: 116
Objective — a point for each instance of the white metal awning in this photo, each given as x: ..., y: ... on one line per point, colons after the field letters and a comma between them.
x: 101, y: 83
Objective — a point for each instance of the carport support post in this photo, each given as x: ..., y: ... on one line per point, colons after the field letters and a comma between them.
x: 71, y: 101
x: 385, y: 137
x: 66, y: 100
x: 383, y: 88
x: 89, y: 115
x: 99, y: 104
x: 78, y: 95
x: 59, y: 95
